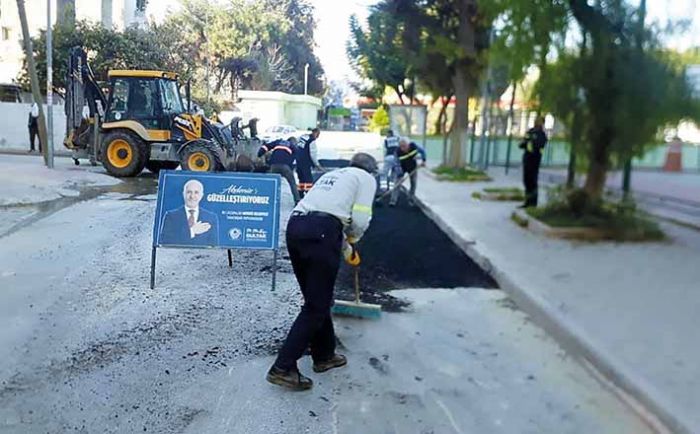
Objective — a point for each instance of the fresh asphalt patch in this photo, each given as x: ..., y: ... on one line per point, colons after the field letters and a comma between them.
x: 404, y: 249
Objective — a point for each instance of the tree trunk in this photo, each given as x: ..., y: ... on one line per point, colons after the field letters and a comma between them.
x: 446, y: 131
x: 602, y: 33
x: 597, y: 170
x: 460, y: 131
x: 441, y: 117
x: 467, y: 41
x: 438, y: 123
x: 34, y: 79
x: 400, y: 95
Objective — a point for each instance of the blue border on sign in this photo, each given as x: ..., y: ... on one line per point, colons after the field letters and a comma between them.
x: 228, y: 176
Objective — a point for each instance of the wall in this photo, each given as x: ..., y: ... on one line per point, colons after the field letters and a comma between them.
x: 276, y: 108
x: 119, y: 13
x: 14, y: 133
x: 272, y: 108
x: 11, y: 53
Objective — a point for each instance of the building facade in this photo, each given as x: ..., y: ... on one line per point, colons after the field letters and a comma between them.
x: 118, y: 14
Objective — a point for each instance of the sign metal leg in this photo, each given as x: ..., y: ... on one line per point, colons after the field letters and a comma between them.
x: 230, y: 259
x: 153, y: 268
x: 274, y: 270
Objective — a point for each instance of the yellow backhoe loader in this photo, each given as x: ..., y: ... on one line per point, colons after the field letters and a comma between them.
x: 141, y: 121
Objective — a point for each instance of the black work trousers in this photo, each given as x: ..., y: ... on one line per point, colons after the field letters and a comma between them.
x: 531, y: 173
x: 314, y: 243
x: 33, y: 135
x: 287, y: 174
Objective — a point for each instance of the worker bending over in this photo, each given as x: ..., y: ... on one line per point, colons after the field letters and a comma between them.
x: 281, y: 155
x: 406, y: 155
x: 327, y: 222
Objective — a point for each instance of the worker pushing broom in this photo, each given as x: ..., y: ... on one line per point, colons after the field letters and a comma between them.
x: 325, y: 224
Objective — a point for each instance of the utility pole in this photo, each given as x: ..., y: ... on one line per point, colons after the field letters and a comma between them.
x: 306, y: 79
x: 627, y: 171
x: 511, y: 123
x: 486, y: 96
x: 33, y: 78
x: 486, y: 101
x: 49, y: 84
x: 206, y: 33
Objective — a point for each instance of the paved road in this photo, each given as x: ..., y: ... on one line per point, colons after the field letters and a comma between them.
x: 86, y: 347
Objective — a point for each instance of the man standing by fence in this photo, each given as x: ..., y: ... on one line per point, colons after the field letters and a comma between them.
x: 534, y: 142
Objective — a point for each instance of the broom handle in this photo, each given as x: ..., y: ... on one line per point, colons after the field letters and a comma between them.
x: 397, y: 185
x: 357, y: 285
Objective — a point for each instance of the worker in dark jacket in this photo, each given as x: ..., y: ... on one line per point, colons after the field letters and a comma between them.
x: 33, y: 125
x: 281, y: 155
x: 532, y: 144
x: 326, y: 224
x: 307, y: 159
x: 406, y: 155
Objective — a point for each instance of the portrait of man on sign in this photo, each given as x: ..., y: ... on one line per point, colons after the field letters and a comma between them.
x: 190, y: 224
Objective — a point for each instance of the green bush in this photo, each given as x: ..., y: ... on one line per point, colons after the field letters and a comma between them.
x: 380, y: 122
x: 505, y: 194
x: 465, y: 174
x: 503, y: 190
x: 620, y: 221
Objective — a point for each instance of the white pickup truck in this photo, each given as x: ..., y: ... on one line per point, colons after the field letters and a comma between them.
x: 342, y: 145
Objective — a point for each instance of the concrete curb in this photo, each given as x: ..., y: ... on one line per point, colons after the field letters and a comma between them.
x: 634, y: 391
x: 23, y: 152
x: 536, y: 226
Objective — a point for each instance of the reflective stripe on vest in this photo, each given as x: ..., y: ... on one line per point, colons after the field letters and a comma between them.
x: 284, y: 148
x: 362, y: 208
x: 409, y: 155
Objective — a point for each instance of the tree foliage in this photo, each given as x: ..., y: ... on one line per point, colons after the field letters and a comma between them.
x: 273, y: 39
x: 154, y: 48
x: 525, y: 31
x: 446, y: 40
x: 274, y: 35
x: 377, y: 55
x: 629, y: 88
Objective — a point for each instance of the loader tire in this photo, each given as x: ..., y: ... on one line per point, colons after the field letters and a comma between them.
x: 155, y: 166
x: 200, y: 157
x: 124, y: 154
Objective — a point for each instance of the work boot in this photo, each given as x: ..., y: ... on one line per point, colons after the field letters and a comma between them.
x: 336, y: 361
x: 291, y: 379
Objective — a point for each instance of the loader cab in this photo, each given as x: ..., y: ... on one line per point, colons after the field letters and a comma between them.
x: 149, y: 98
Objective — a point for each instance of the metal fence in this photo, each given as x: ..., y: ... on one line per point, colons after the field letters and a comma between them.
x: 556, y: 154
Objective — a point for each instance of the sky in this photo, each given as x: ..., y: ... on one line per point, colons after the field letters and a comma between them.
x: 333, y: 32
x: 663, y: 10
x: 333, y: 29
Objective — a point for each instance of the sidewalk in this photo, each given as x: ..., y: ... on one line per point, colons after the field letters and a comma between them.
x: 26, y: 180
x: 629, y: 309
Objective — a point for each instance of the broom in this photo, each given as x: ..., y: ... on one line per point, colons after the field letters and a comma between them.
x: 356, y: 308
x: 379, y: 198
